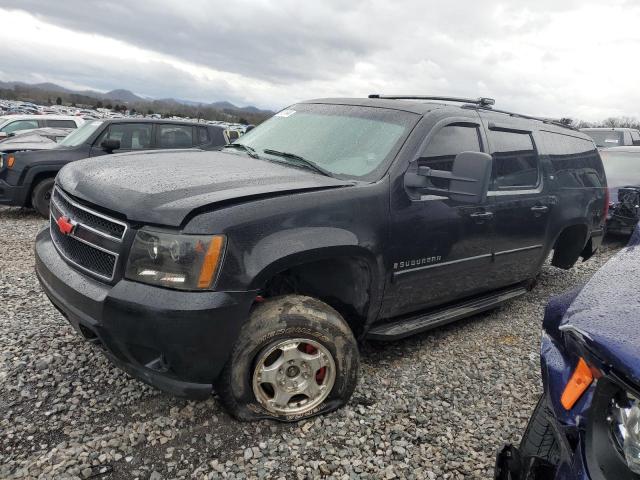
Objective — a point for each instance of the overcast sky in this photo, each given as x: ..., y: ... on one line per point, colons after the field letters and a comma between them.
x: 543, y: 57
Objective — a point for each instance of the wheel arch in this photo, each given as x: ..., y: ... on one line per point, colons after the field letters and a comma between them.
x: 569, y: 244
x: 346, y: 277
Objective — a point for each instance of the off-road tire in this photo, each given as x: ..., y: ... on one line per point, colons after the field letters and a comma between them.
x: 538, y: 439
x: 288, y: 317
x: 41, y: 195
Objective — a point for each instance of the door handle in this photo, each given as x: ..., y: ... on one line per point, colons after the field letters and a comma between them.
x: 480, y: 217
x: 540, y: 209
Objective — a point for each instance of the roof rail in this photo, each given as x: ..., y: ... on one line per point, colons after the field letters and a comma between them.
x: 548, y: 121
x: 482, y: 101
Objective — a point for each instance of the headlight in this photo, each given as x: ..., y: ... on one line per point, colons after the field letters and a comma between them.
x: 1, y: 160
x: 624, y: 419
x: 185, y: 262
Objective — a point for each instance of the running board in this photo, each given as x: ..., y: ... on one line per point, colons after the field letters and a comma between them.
x: 398, y: 329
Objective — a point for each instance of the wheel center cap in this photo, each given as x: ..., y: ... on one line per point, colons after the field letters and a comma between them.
x: 293, y: 371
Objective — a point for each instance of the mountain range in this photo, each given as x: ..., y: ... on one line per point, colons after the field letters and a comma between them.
x: 126, y: 96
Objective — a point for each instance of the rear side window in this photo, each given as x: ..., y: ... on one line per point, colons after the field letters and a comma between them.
x: 635, y: 137
x: 61, y: 123
x: 575, y: 161
x: 515, y: 160
x: 175, y: 136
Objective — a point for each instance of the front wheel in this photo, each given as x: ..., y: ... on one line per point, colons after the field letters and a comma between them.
x: 41, y: 196
x: 295, y: 358
x: 538, y: 439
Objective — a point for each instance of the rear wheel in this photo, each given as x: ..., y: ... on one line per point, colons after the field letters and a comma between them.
x: 538, y: 439
x: 295, y: 358
x: 41, y: 196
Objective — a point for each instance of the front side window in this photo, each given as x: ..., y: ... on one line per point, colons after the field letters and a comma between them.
x: 175, y: 136
x: 515, y: 160
x: 445, y: 145
x: 347, y: 141
x: 132, y: 136
x: 20, y: 125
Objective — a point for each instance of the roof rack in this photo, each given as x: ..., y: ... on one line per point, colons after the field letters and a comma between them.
x: 482, y: 101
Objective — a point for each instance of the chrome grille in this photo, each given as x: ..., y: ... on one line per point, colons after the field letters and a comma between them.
x: 89, y: 218
x: 93, y: 245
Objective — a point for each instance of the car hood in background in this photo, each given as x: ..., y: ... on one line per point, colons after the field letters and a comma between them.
x: 164, y: 187
x: 605, y: 314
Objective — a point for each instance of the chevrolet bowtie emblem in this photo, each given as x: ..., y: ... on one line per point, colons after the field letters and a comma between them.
x: 65, y: 225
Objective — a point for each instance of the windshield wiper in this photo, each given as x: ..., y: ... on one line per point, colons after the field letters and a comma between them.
x: 250, y: 151
x: 301, y: 161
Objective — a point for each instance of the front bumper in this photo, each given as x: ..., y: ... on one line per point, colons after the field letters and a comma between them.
x: 12, y: 195
x: 176, y: 341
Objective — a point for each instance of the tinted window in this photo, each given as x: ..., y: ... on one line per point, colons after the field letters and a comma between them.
x: 445, y: 145
x: 575, y: 160
x: 61, y: 123
x: 203, y: 135
x: 132, y: 136
x: 20, y: 125
x: 175, y: 136
x: 606, y: 138
x: 635, y: 137
x: 515, y: 160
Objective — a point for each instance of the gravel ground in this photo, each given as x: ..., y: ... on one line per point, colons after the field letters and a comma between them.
x: 437, y: 405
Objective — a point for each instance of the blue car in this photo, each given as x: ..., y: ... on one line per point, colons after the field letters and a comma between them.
x: 587, y: 423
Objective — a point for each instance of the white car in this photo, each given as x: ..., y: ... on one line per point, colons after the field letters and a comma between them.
x: 14, y: 123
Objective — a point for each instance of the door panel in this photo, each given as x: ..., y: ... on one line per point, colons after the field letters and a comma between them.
x: 441, y: 248
x: 519, y: 203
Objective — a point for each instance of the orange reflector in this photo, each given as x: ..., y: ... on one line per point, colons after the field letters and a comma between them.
x: 211, y: 260
x: 10, y: 161
x: 578, y: 384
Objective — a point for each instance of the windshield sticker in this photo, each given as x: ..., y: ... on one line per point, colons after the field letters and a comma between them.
x: 285, y: 113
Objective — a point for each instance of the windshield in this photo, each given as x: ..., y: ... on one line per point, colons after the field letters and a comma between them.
x: 80, y: 135
x: 606, y: 138
x: 342, y: 140
x: 622, y: 168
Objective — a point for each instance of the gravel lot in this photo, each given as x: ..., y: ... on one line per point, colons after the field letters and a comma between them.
x: 437, y: 405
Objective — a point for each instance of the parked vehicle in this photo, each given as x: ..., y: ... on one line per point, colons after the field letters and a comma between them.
x: 14, y: 123
x: 37, y: 139
x: 622, y: 167
x: 613, y: 137
x: 587, y: 422
x: 28, y: 177
x: 254, y: 270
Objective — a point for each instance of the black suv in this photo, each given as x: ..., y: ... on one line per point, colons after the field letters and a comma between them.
x: 26, y: 178
x: 254, y: 270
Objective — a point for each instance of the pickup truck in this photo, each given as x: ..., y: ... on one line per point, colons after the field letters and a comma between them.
x: 255, y: 270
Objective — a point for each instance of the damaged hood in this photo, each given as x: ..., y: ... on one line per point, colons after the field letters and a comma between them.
x: 164, y: 187
x: 606, y: 313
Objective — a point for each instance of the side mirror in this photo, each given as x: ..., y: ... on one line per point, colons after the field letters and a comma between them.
x: 110, y: 144
x: 468, y: 180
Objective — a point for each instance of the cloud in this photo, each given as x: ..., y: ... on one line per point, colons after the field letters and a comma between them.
x: 570, y: 58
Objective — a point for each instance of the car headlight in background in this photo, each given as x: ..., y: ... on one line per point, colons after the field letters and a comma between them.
x: 185, y: 262
x: 624, y: 418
